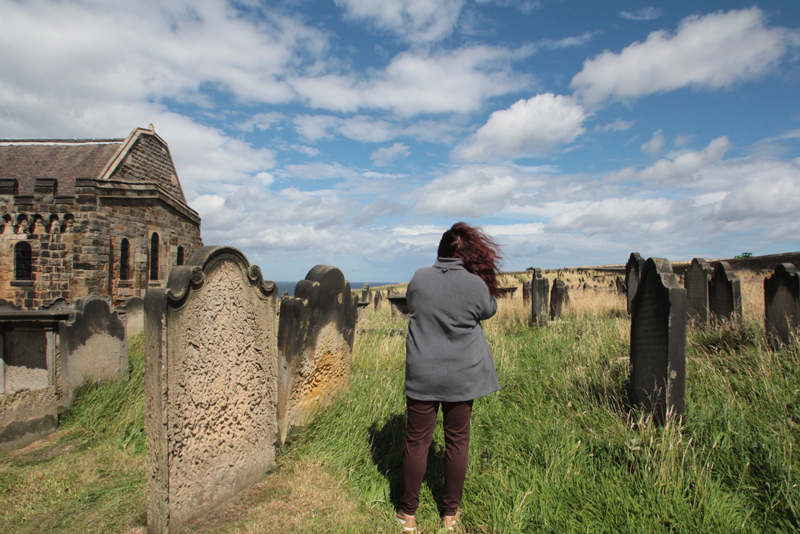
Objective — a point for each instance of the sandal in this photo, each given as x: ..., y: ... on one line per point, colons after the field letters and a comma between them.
x: 408, y: 521
x: 450, y: 521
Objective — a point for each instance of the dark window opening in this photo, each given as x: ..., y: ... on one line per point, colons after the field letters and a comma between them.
x: 22, y: 261
x: 154, y: 257
x: 180, y: 256
x: 124, y: 260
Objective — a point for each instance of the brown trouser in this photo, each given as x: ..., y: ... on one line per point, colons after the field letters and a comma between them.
x: 419, y: 434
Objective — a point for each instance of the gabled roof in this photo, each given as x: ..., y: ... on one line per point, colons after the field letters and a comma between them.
x: 65, y: 160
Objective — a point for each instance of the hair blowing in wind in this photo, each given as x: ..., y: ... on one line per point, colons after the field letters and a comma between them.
x: 480, y: 253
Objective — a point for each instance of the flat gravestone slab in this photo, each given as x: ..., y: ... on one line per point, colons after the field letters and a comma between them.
x: 782, y: 302
x: 210, y: 385
x: 399, y: 305
x: 315, y: 345
x: 658, y: 342
x: 725, y: 294
x: 633, y: 268
x: 696, y: 282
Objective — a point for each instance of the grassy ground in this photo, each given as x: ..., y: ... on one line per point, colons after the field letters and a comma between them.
x: 559, y: 449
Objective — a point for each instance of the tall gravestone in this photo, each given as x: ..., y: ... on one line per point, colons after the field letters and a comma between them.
x: 725, y: 294
x: 632, y: 272
x: 558, y: 296
x: 621, y: 288
x: 210, y: 385
x: 526, y: 292
x: 378, y: 300
x: 315, y: 345
x: 696, y: 282
x: 540, y: 297
x: 782, y: 302
x: 658, y: 342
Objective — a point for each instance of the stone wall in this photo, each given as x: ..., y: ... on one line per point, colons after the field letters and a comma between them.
x: 76, y: 241
x: 210, y: 385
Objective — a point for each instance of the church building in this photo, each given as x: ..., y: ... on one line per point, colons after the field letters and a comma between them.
x: 103, y: 216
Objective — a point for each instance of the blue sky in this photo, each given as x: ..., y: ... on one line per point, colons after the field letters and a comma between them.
x: 354, y: 132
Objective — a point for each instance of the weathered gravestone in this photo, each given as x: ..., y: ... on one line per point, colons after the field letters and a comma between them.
x: 658, y: 342
x: 366, y: 295
x: 399, y: 305
x: 725, y: 294
x: 782, y: 302
x: 622, y: 289
x: 315, y: 345
x: 526, y: 292
x: 92, y: 345
x: 558, y: 298
x: 540, y: 296
x: 132, y: 312
x: 632, y: 272
x: 378, y: 300
x: 210, y: 385
x: 696, y: 283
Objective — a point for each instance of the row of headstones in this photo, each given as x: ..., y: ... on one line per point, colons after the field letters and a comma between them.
x: 227, y: 377
x: 659, y: 311
x: 714, y: 293
x: 546, y: 303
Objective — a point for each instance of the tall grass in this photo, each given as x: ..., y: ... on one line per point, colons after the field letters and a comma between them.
x: 560, y: 449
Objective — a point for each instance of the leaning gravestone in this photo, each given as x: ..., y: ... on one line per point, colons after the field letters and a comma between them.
x: 557, y: 298
x: 540, y: 296
x: 658, y: 342
x: 725, y: 294
x: 632, y: 272
x: 696, y: 283
x: 782, y: 302
x: 210, y: 385
x: 315, y: 345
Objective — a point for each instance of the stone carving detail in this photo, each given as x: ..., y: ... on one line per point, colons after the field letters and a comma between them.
x: 658, y: 342
x: 558, y: 298
x: 315, y: 345
x: 632, y: 272
x: 210, y: 385
x: 93, y: 345
x: 725, y: 294
x: 696, y: 282
x: 540, y: 297
x: 782, y: 302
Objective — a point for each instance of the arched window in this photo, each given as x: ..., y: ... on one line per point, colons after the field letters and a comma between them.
x: 154, y: 257
x: 22, y: 261
x: 124, y: 260
x: 180, y: 256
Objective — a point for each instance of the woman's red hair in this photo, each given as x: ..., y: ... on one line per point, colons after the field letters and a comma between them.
x: 480, y: 253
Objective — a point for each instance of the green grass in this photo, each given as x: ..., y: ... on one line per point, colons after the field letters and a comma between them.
x: 559, y: 449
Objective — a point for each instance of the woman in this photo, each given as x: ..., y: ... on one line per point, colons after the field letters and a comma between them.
x: 448, y: 361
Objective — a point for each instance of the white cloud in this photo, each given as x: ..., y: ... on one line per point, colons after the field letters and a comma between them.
x: 386, y: 155
x: 315, y: 127
x: 655, y: 144
x: 457, y: 81
x: 609, y: 215
x: 261, y: 121
x: 528, y: 128
x: 416, y: 21
x: 680, y: 167
x: 711, y: 52
x: 468, y: 192
x: 318, y: 171
x: 618, y: 125
x: 646, y: 13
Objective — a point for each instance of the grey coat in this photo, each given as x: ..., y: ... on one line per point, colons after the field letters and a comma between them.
x: 447, y: 356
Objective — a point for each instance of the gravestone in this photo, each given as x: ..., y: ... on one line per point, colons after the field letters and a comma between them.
x: 315, y: 345
x: 210, y: 385
x: 725, y: 294
x: 658, y: 342
x: 782, y: 302
x: 92, y: 345
x: 696, y: 283
x: 540, y: 297
x: 132, y: 312
x: 632, y: 271
x: 622, y: 289
x: 366, y: 295
x: 526, y: 292
x: 399, y: 305
x: 378, y: 300
x: 507, y: 292
x: 558, y: 296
